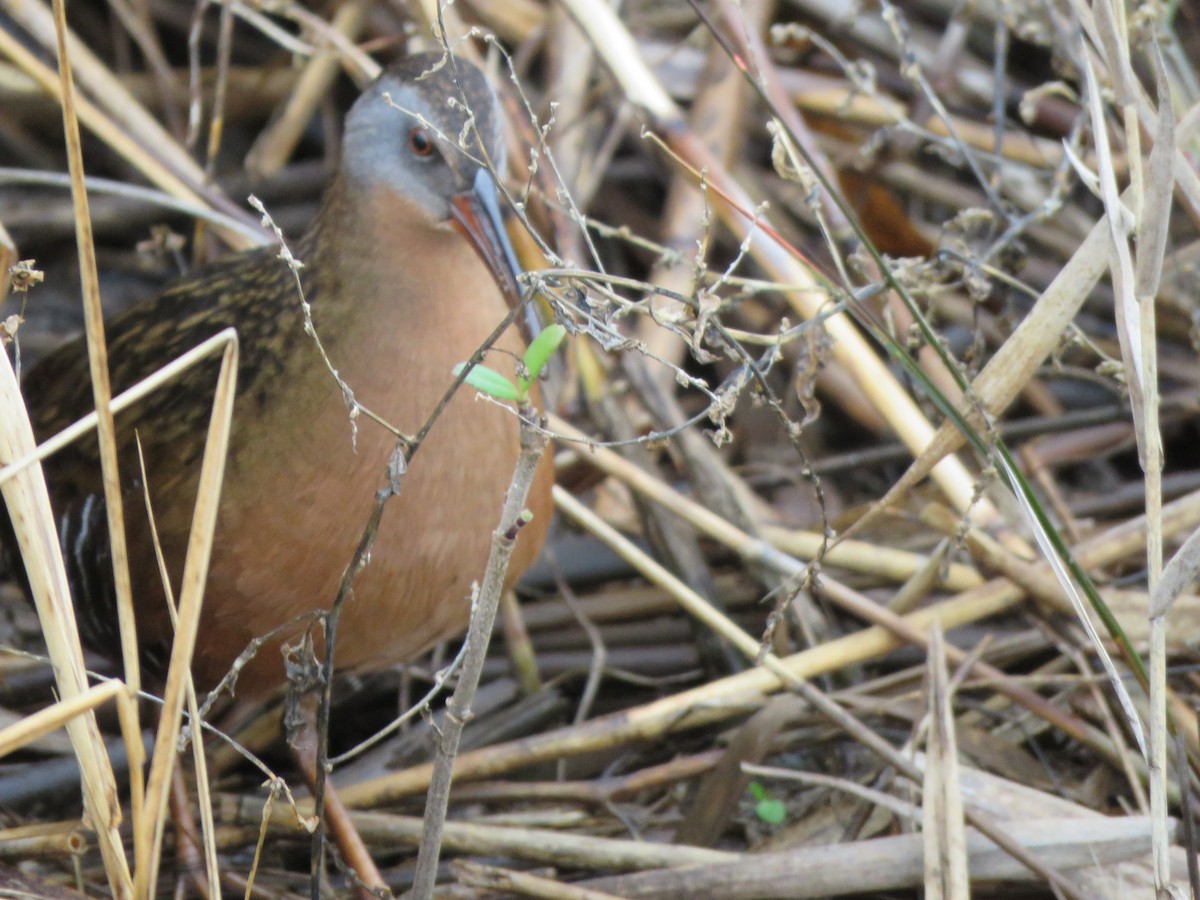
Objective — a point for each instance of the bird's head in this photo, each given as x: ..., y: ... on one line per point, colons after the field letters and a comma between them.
x: 431, y: 130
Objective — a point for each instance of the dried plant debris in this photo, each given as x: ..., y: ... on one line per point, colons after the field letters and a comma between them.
x: 874, y: 428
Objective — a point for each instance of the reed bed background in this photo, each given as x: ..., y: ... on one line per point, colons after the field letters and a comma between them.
x: 875, y: 436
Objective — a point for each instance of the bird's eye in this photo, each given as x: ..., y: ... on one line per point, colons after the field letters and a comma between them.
x: 419, y: 142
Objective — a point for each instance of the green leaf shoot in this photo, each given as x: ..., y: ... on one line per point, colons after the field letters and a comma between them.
x: 490, y: 382
x: 541, y: 350
x: 769, y: 810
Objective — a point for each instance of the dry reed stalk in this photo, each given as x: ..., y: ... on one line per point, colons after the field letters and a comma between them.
x: 23, y: 466
x: 1136, y: 279
x: 28, y: 504
x: 533, y: 844
x: 523, y: 883
x: 195, y: 572
x: 275, y: 145
x: 42, y: 839
x: 203, y: 798
x: 117, y: 103
x: 856, y: 556
x: 882, y: 865
x: 57, y: 715
x: 807, y: 296
x: 731, y: 696
x: 97, y: 351
x: 946, y: 862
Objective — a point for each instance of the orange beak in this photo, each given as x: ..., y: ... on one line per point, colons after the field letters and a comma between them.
x: 477, y: 217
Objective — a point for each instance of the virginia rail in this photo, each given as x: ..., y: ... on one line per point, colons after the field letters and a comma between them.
x: 406, y: 270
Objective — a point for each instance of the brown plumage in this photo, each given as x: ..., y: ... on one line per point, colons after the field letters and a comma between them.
x: 399, y: 296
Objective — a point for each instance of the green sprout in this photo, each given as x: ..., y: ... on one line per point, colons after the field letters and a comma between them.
x: 768, y: 809
x: 490, y: 382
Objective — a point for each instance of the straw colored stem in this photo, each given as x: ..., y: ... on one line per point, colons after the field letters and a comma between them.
x: 523, y: 883
x: 277, y: 142
x: 536, y: 844
x: 142, y: 129
x: 195, y: 573
x: 102, y: 126
x: 28, y: 505
x: 858, y: 556
x: 727, y: 697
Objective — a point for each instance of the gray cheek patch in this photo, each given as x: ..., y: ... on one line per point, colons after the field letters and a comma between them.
x: 451, y: 104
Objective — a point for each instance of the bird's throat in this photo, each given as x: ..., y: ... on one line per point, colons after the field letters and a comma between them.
x: 397, y: 300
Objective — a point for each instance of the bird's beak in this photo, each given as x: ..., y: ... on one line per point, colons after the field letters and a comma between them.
x: 477, y: 217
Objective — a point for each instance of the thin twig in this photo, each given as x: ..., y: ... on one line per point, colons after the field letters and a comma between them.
x: 483, y: 615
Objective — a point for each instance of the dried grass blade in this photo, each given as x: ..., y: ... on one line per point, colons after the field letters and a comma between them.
x: 28, y: 504
x: 102, y: 126
x: 1155, y: 214
x: 120, y: 403
x: 276, y: 143
x: 946, y: 873
x: 781, y: 547
x: 195, y: 573
x: 808, y: 296
x: 56, y: 716
x: 1154, y: 211
x: 98, y: 361
x: 203, y: 794
x: 118, y: 103
x: 721, y: 699
x: 102, y: 393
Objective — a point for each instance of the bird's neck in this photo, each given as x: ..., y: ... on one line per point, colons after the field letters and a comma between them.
x: 378, y: 265
x: 392, y: 293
